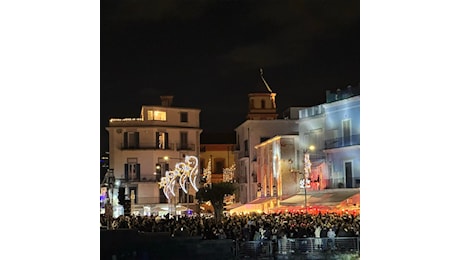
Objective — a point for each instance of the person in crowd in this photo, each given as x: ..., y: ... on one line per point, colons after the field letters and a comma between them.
x: 318, y: 240
x: 331, y: 238
x: 244, y: 227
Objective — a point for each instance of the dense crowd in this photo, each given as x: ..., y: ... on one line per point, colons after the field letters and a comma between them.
x: 250, y: 227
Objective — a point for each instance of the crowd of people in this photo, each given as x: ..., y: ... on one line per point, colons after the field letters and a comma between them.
x: 250, y: 227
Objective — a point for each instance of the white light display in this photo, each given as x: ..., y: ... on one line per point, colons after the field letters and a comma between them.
x: 229, y: 173
x: 305, y: 183
x: 207, y: 174
x: 187, y: 170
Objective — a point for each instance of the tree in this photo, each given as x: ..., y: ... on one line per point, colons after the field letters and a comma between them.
x: 216, y: 193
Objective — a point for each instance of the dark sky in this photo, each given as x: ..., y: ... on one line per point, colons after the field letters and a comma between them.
x: 208, y: 55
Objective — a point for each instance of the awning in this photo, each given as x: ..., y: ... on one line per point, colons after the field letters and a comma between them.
x: 232, y: 206
x: 257, y: 205
x: 329, y: 197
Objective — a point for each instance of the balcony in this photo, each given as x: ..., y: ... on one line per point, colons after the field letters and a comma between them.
x: 142, y: 179
x: 342, y: 142
x: 185, y: 147
x: 169, y: 146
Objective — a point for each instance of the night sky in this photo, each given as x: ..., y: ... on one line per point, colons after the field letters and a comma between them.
x: 207, y: 54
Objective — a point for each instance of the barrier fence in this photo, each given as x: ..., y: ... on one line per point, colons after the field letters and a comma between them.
x: 121, y: 244
x: 297, y: 246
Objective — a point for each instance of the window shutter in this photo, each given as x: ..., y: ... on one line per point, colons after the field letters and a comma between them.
x: 166, y: 169
x: 157, y: 139
x: 166, y: 141
x: 136, y: 139
x: 126, y: 172
x: 138, y: 172
x: 125, y: 139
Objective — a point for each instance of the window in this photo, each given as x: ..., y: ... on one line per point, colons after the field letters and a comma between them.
x: 131, y: 140
x: 159, y: 115
x: 346, y: 128
x: 183, y: 117
x: 219, y: 165
x: 132, y: 170
x: 262, y: 104
x: 161, y: 140
x: 348, y: 175
x: 149, y: 114
x: 183, y: 140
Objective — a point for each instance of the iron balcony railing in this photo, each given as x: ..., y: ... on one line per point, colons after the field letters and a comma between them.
x: 342, y: 141
x: 170, y: 146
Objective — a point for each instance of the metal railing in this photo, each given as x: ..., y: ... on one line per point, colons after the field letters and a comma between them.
x: 298, y: 246
x: 342, y: 142
x: 160, y: 245
x: 169, y: 146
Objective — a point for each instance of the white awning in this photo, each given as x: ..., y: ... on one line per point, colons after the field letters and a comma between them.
x: 329, y: 197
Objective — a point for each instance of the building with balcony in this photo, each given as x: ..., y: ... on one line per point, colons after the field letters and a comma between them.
x: 342, y: 142
x: 328, y: 133
x: 217, y: 150
x: 143, y: 149
x: 333, y: 128
x: 262, y: 123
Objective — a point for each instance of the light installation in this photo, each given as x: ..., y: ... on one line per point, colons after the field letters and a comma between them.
x: 305, y: 183
x: 207, y: 174
x: 183, y: 172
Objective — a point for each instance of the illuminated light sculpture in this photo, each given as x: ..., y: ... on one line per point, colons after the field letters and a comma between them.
x: 305, y: 183
x: 229, y: 173
x: 207, y: 174
x: 187, y: 170
x: 171, y: 177
x: 307, y: 170
x: 167, y: 183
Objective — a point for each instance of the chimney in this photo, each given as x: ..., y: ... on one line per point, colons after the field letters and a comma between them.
x: 166, y: 101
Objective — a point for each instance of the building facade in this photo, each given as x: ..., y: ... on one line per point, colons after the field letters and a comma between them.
x: 261, y: 125
x: 275, y: 171
x: 275, y: 174
x: 143, y: 149
x: 333, y: 128
x: 342, y: 142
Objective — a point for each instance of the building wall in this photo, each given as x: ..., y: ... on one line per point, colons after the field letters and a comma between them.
x: 148, y: 154
x: 341, y: 147
x: 220, y: 154
x: 323, y: 126
x: 275, y: 172
x: 253, y: 132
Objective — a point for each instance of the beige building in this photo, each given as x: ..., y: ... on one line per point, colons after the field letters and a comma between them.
x: 143, y: 149
x: 218, y: 157
x: 261, y: 125
x: 275, y: 173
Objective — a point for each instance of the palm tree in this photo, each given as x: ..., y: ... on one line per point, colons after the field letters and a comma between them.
x: 216, y: 193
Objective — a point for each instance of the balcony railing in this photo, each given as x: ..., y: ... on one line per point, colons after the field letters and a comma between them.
x: 187, y: 147
x: 342, y: 142
x: 170, y: 146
